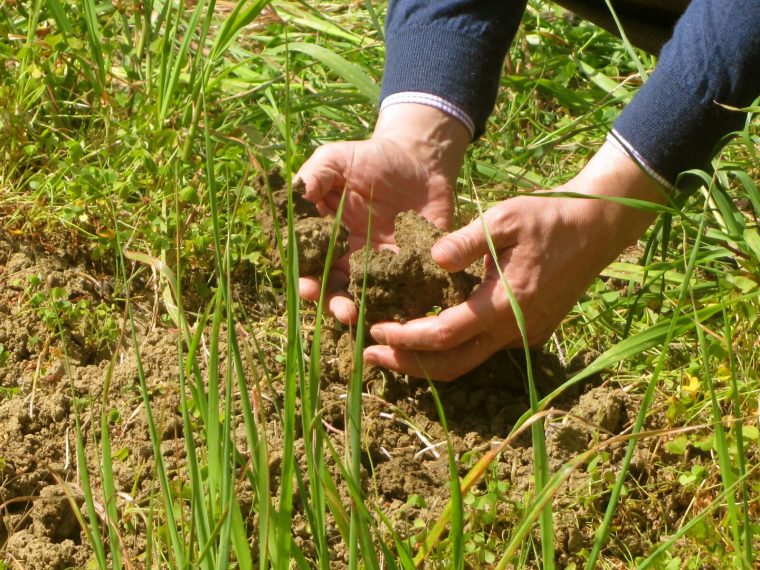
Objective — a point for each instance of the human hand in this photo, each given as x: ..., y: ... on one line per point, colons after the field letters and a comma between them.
x: 549, y: 250
x: 410, y: 163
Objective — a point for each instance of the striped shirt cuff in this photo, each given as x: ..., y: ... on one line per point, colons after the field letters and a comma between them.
x: 439, y: 103
x: 623, y: 145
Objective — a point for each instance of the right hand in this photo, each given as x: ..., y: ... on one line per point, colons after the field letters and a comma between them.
x: 547, y: 248
x: 410, y: 163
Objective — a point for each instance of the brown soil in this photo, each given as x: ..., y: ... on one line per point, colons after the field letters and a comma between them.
x: 408, y: 284
x: 43, y: 375
x: 313, y: 233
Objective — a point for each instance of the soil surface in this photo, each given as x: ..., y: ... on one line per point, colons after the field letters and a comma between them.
x: 52, y: 370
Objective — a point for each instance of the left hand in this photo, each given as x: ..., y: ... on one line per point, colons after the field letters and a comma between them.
x: 410, y: 163
x: 549, y: 250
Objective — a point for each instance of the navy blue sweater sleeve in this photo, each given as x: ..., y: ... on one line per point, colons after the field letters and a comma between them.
x: 450, y: 48
x: 675, y: 121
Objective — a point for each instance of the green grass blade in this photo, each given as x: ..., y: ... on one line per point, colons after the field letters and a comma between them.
x: 313, y: 432
x: 654, y: 336
x: 727, y: 214
x: 294, y: 366
x: 244, y: 13
x: 95, y: 42
x: 721, y: 444
x: 738, y: 428
x: 750, y: 188
x: 165, y: 52
x: 303, y: 15
x: 628, y: 47
x: 359, y: 531
x: 540, y: 456
x: 357, y: 504
x: 109, y: 487
x: 717, y: 502
x: 59, y: 15
x: 604, y: 530
x: 456, y: 534
x: 375, y: 20
x: 176, y: 541
x: 350, y: 72
x: 402, y: 550
x: 93, y: 528
x: 177, y: 64
x: 200, y: 513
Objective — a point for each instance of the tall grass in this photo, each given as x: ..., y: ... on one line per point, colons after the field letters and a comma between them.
x: 191, y: 104
x: 540, y: 456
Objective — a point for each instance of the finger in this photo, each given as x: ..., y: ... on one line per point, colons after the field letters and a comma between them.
x: 323, y: 172
x: 340, y: 304
x: 310, y: 288
x: 447, y: 365
x: 343, y: 308
x: 453, y: 326
x: 460, y: 249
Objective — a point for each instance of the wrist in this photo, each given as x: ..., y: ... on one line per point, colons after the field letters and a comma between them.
x: 612, y: 173
x: 433, y: 137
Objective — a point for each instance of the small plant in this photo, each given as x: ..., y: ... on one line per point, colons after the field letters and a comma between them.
x: 93, y: 323
x: 486, y: 516
x: 8, y: 393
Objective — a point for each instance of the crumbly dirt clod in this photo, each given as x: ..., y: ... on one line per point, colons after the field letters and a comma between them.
x: 408, y: 284
x: 30, y: 551
x: 313, y: 232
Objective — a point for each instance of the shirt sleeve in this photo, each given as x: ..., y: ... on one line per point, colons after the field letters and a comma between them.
x: 676, y: 121
x: 452, y: 49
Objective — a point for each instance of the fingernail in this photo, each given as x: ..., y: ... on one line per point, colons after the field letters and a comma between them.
x: 446, y: 255
x: 370, y: 357
x: 378, y: 334
x: 443, y: 248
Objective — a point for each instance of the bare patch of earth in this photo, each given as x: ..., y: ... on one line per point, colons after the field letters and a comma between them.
x: 47, y: 377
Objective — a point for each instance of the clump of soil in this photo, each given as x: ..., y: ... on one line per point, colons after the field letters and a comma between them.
x: 408, y: 284
x: 313, y: 232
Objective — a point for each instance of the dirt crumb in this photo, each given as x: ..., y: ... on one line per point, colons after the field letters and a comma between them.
x: 53, y: 516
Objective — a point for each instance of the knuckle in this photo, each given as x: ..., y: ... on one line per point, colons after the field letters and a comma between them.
x: 323, y: 157
x: 444, y: 336
x: 462, y: 242
x: 321, y: 152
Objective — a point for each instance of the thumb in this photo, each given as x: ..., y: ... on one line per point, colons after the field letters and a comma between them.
x: 324, y: 171
x: 461, y: 248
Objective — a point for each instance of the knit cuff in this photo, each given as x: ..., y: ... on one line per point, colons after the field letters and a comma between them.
x: 627, y: 148
x: 439, y: 103
x: 449, y: 64
x: 671, y: 128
